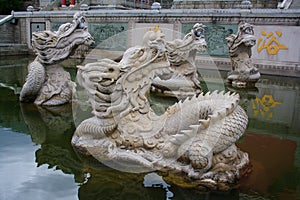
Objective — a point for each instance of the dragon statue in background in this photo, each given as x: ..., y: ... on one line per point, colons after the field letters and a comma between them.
x: 196, y: 136
x: 243, y: 72
x: 181, y: 54
x: 47, y: 83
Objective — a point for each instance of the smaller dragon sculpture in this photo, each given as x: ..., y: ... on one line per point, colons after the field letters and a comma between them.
x: 196, y: 136
x: 243, y: 72
x: 184, y: 80
x: 47, y: 83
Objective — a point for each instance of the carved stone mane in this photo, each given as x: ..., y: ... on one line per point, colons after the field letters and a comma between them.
x: 56, y: 46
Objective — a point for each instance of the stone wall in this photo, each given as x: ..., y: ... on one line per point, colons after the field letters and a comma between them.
x: 276, y: 43
x: 117, y: 30
x: 11, y: 41
x: 221, y: 4
x: 10, y: 32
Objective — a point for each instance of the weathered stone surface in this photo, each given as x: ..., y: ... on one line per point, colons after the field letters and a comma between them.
x: 184, y: 80
x: 47, y: 83
x: 220, y: 23
x: 243, y: 72
x: 196, y: 136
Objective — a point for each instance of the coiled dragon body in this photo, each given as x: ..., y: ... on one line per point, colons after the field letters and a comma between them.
x: 193, y: 136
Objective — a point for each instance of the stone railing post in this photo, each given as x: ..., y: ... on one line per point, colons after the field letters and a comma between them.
x: 63, y: 3
x: 72, y: 3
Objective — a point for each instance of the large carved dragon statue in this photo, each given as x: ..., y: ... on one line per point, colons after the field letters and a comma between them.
x: 181, y: 53
x: 196, y: 136
x: 243, y: 72
x: 47, y: 83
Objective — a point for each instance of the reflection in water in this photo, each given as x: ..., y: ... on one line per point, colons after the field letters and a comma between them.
x: 246, y: 95
x: 154, y: 180
x: 21, y: 179
x: 37, y: 138
x: 273, y: 166
x: 264, y: 106
x: 52, y: 128
x: 108, y: 184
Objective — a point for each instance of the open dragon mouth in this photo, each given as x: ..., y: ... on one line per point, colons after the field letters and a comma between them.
x: 248, y: 39
x: 202, y: 48
x: 51, y: 46
x: 79, y: 29
x: 83, y: 35
x: 89, y: 40
x: 201, y: 44
x: 249, y: 43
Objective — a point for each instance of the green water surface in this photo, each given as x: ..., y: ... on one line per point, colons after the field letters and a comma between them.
x: 37, y: 160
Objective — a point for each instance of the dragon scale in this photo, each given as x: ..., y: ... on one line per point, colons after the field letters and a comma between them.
x: 47, y: 83
x: 195, y: 135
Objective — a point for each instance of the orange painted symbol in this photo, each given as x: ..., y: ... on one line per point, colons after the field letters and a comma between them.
x: 270, y: 43
x: 264, y: 106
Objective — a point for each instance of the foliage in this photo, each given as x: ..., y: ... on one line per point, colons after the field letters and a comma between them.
x: 8, y: 5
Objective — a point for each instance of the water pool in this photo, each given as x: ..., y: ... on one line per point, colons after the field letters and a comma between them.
x: 37, y: 160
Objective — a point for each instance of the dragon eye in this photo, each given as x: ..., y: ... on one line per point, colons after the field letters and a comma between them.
x: 81, y: 25
x: 198, y: 33
x: 248, y: 30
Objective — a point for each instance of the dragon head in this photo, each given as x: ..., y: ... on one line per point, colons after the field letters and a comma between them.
x: 51, y: 47
x: 244, y: 36
x: 152, y: 51
x: 184, y: 50
x: 247, y: 34
x: 197, y: 34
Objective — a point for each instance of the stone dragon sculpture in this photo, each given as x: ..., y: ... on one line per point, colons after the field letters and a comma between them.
x: 181, y: 54
x: 196, y: 136
x: 243, y: 72
x: 47, y: 83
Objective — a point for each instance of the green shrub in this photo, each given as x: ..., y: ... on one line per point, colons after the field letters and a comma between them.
x: 8, y: 5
